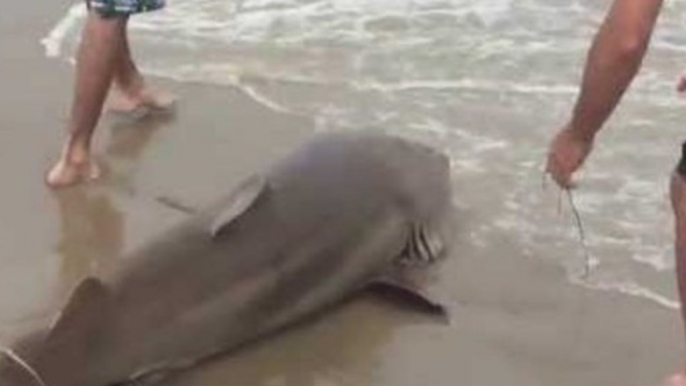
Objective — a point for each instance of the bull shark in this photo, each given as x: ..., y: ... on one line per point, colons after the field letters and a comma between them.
x: 343, y: 213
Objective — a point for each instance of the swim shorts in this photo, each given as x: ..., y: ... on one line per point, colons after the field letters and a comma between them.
x: 118, y: 8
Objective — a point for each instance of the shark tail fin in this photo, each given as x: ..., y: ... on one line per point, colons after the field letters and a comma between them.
x: 80, y: 329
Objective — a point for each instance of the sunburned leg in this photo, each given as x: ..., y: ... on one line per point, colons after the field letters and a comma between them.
x: 100, y: 47
x: 130, y: 93
x: 678, y: 198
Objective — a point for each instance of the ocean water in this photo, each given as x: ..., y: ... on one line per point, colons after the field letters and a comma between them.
x: 487, y: 81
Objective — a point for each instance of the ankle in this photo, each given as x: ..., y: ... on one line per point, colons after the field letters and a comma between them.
x: 130, y: 88
x: 76, y: 153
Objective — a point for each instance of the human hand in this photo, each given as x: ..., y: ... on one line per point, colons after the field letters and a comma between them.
x: 675, y: 380
x: 568, y: 151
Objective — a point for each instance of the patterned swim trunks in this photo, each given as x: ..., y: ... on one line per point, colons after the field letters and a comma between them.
x: 117, y: 8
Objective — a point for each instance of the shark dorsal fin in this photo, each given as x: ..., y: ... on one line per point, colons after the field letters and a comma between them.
x: 240, y: 201
x: 84, y: 312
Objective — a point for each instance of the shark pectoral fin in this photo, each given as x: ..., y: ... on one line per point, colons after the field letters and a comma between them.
x: 82, y: 320
x: 412, y: 285
x: 240, y: 201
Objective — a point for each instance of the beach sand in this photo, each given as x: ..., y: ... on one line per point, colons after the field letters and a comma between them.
x: 515, y: 318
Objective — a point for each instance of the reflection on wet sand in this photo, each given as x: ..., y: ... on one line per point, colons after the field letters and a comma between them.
x: 127, y: 144
x: 91, y: 235
x: 91, y: 222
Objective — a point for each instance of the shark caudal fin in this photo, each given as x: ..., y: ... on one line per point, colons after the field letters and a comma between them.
x: 80, y: 329
x: 87, y: 304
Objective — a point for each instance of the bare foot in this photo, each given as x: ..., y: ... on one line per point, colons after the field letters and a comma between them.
x: 139, y: 103
x: 66, y: 173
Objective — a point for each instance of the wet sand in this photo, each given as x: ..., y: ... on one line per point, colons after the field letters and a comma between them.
x: 515, y: 319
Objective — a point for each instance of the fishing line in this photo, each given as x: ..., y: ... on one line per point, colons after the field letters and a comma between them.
x: 582, y: 233
x: 578, y: 222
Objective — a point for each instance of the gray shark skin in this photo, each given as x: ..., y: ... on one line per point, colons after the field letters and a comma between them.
x: 344, y: 212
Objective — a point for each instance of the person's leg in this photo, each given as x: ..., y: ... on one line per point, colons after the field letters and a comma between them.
x: 96, y: 61
x: 129, y: 90
x: 127, y: 78
x: 678, y: 198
